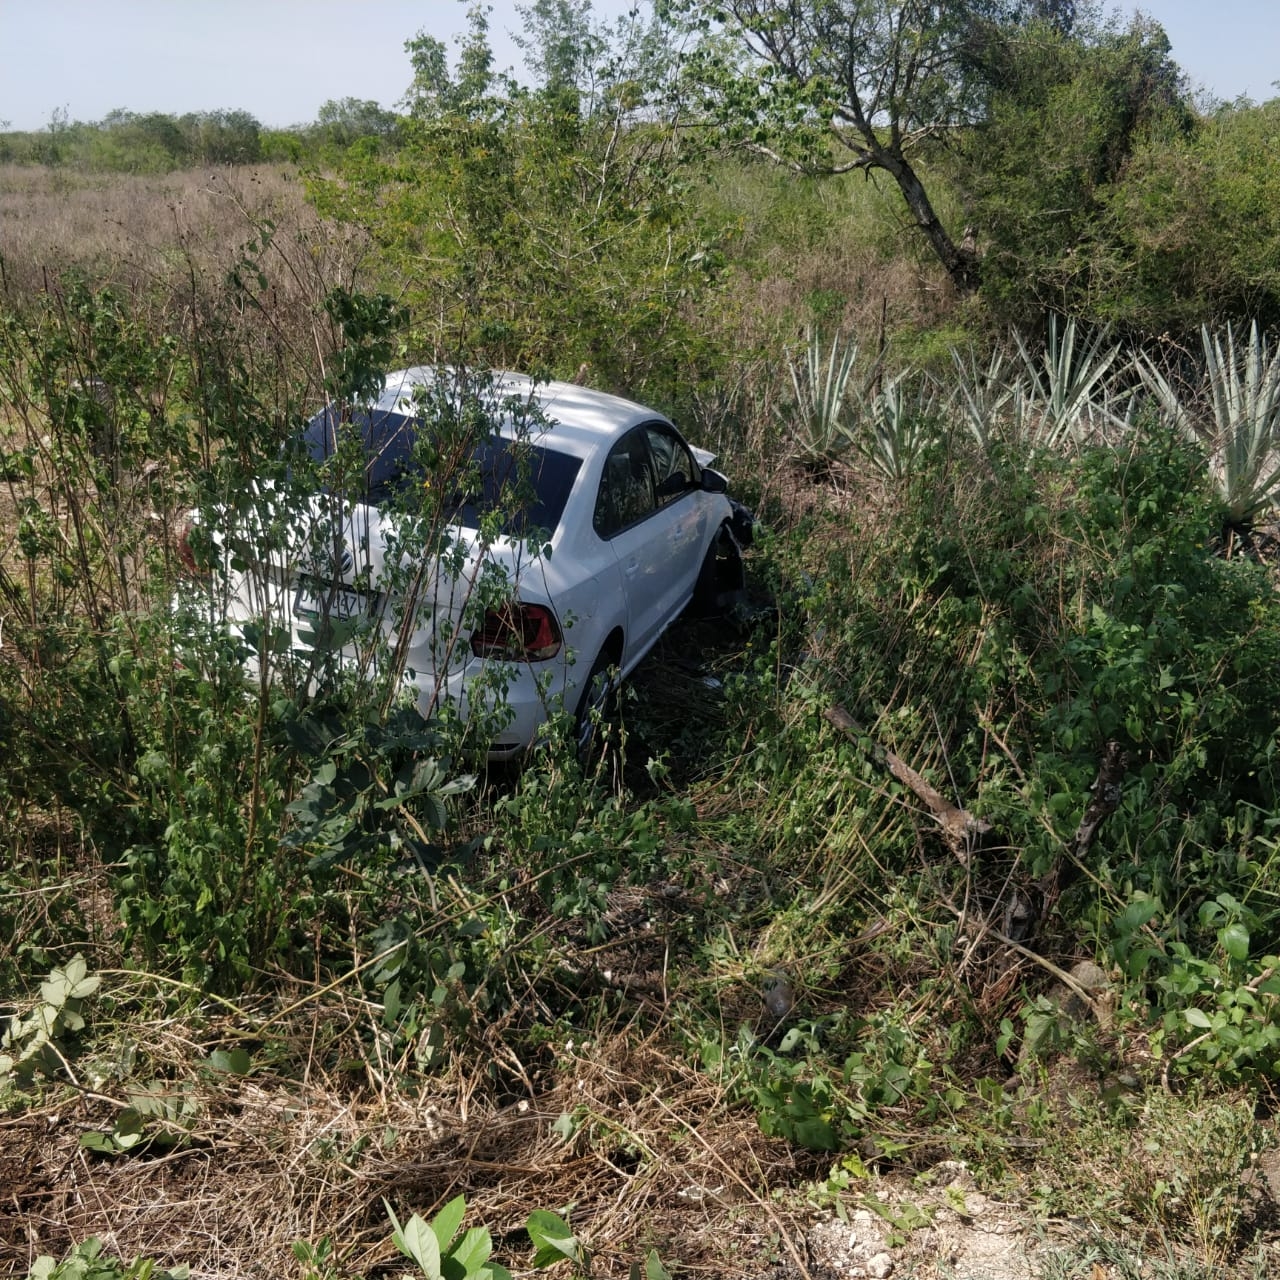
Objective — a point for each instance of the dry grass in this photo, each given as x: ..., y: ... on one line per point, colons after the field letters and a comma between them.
x: 133, y: 230
x: 656, y: 1161
x: 169, y: 244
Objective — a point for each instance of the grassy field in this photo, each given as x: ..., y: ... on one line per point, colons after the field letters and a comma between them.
x: 926, y: 917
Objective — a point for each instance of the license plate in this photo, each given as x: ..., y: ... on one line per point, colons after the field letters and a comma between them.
x: 317, y: 600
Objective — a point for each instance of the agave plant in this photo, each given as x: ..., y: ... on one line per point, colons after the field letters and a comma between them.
x: 820, y: 421
x: 1068, y: 396
x: 987, y: 401
x: 1242, y: 429
x: 903, y: 420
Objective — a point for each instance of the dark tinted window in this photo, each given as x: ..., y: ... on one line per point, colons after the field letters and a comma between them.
x: 673, y: 466
x: 387, y: 441
x: 626, y: 487
x: 528, y: 482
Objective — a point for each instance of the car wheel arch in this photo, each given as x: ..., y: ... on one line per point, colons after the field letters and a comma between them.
x: 721, y: 580
x: 595, y: 697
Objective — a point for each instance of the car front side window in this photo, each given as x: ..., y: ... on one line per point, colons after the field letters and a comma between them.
x: 626, y: 488
x: 673, y: 466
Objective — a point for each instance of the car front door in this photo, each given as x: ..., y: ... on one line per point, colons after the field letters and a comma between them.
x: 652, y: 527
x: 682, y: 515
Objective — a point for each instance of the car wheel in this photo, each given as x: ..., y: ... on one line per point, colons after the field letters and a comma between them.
x: 722, y: 581
x: 594, y: 725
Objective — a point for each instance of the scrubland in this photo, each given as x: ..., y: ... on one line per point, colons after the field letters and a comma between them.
x: 934, y: 888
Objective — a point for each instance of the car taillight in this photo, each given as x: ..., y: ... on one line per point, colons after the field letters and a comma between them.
x: 517, y: 632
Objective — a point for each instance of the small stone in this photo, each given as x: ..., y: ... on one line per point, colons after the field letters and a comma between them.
x: 880, y: 1266
x: 1090, y: 977
x: 779, y: 996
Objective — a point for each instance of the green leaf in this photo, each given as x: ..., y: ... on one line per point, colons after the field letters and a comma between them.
x: 234, y: 1062
x: 815, y: 1133
x: 130, y: 1129
x: 1235, y: 941
x: 391, y: 1003
x: 418, y: 1241
x: 446, y: 1223
x: 552, y: 1240
x: 103, y: 1143
x: 472, y: 1250
x: 1198, y: 1018
x: 55, y: 989
x: 653, y: 1268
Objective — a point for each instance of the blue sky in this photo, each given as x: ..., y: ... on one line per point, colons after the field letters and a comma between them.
x: 280, y: 59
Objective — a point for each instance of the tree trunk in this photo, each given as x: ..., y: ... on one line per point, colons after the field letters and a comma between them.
x: 961, y: 264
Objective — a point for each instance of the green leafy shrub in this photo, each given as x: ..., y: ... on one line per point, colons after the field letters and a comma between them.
x: 443, y: 1250
x: 31, y: 1044
x: 1017, y: 614
x: 87, y: 1262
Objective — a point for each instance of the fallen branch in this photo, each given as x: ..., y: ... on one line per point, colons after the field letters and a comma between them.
x: 961, y: 829
x: 1104, y: 800
x: 1072, y: 984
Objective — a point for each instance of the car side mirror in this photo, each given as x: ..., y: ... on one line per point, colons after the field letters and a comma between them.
x: 673, y: 486
x: 713, y: 481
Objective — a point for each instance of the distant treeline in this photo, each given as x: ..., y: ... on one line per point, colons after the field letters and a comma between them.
x: 156, y: 142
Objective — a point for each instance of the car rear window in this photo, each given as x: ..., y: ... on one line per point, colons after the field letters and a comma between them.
x: 528, y: 483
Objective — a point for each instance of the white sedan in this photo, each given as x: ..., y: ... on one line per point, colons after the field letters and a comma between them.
x: 567, y: 533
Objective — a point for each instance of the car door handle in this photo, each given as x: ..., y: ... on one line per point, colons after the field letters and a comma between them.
x: 632, y: 568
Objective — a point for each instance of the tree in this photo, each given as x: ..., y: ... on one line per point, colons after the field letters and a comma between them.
x: 1064, y: 118
x: 343, y: 121
x: 1194, y: 225
x: 829, y: 86
x: 437, y: 92
x: 560, y: 45
x: 535, y: 233
x: 142, y: 142
x: 222, y: 137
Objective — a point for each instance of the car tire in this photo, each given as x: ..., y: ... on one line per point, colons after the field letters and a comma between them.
x: 594, y: 725
x: 722, y: 580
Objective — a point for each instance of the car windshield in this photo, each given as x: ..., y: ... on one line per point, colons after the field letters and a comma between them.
x: 528, y: 483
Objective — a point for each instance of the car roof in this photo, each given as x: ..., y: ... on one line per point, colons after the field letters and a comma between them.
x: 579, y: 420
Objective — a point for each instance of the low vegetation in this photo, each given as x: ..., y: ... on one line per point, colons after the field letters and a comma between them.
x: 942, y: 874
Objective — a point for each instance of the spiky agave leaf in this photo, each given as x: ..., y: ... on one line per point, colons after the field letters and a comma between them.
x: 902, y: 420
x: 1168, y: 403
x: 1241, y: 431
x: 818, y: 420
x: 987, y: 401
x: 1244, y: 392
x: 1068, y: 392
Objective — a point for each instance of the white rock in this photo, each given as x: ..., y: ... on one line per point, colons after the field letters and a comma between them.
x: 880, y: 1266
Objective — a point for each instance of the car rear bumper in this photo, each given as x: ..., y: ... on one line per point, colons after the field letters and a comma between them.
x: 504, y: 705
